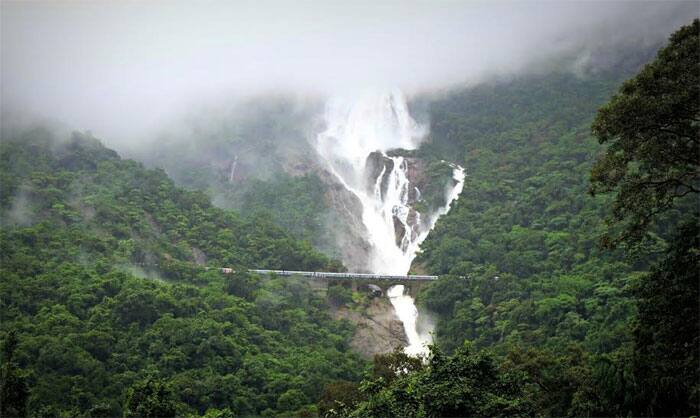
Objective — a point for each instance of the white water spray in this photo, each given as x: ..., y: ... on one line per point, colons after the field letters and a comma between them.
x: 378, y: 123
x: 408, y: 314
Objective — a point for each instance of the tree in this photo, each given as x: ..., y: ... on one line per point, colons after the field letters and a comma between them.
x: 92, y: 324
x: 150, y: 398
x: 13, y: 389
x: 652, y: 126
x: 653, y: 165
x: 667, y: 335
x: 338, y: 295
x: 389, y: 366
x: 338, y: 398
x: 469, y: 383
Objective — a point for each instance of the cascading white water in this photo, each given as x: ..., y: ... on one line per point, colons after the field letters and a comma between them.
x: 370, y: 123
x: 408, y: 314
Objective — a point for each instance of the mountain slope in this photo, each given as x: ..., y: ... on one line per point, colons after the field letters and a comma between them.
x: 524, y: 233
x: 105, y: 286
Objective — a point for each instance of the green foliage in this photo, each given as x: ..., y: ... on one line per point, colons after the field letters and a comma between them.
x: 667, y: 334
x: 339, y: 295
x: 13, y: 388
x: 569, y: 381
x: 388, y: 366
x: 133, y: 215
x: 150, y: 398
x: 295, y: 203
x: 264, y: 139
x: 467, y: 383
x: 105, y: 284
x: 653, y: 131
x: 107, y: 307
x: 518, y: 250
x: 526, y: 277
x: 653, y: 166
x: 339, y: 399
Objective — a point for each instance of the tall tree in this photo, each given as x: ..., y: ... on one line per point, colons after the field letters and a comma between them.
x: 667, y: 335
x: 13, y: 389
x: 652, y: 127
x: 653, y: 164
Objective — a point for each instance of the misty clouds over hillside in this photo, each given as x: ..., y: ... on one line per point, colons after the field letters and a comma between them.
x: 124, y: 69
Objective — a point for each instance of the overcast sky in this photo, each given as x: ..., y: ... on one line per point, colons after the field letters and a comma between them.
x: 120, y: 68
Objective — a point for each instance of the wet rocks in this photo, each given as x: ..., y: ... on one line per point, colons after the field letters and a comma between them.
x: 376, y: 164
x: 344, y: 223
x: 378, y: 330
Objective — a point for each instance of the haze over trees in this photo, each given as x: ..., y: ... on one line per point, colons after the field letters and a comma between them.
x: 106, y: 310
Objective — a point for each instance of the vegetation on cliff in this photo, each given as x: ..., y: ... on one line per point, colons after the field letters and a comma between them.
x: 569, y: 317
x: 569, y: 270
x: 600, y: 331
x: 107, y: 309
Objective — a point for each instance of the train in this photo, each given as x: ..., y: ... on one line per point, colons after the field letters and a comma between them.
x: 328, y: 275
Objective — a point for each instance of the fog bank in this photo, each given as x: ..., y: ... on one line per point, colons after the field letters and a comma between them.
x: 123, y: 68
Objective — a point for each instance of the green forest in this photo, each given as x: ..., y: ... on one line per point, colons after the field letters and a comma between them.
x: 104, y: 295
x: 568, y: 267
x: 574, y: 263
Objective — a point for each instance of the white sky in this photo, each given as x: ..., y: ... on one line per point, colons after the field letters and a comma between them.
x: 120, y: 68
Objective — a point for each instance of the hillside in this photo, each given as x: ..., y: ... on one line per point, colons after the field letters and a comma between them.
x: 524, y: 233
x: 105, y: 290
x: 524, y: 216
x: 360, y: 209
x: 254, y: 156
x: 526, y: 275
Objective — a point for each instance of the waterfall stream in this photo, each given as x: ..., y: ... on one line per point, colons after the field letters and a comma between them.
x: 363, y: 126
x: 408, y: 314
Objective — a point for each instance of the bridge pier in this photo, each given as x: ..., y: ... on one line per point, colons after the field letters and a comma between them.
x: 320, y: 285
x: 410, y: 288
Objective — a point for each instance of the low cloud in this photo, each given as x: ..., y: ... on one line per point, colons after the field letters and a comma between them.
x: 124, y: 68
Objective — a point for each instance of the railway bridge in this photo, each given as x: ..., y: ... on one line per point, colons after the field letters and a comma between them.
x: 356, y: 281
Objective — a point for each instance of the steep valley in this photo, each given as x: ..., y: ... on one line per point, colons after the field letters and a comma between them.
x: 377, y: 199
x: 359, y: 209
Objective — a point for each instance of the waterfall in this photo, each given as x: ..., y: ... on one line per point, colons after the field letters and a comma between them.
x: 359, y: 134
x: 233, y: 169
x: 408, y: 314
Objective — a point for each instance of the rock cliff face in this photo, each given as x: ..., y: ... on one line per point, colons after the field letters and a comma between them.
x: 379, y: 164
x: 376, y: 165
x: 345, y: 224
x: 378, y: 170
x: 378, y: 330
x: 343, y: 220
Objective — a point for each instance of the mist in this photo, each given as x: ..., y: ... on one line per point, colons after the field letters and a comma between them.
x: 126, y: 69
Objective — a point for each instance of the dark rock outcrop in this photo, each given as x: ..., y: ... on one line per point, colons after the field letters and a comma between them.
x: 375, y: 163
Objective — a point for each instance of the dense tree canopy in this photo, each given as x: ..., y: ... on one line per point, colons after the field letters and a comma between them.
x: 528, y: 278
x: 523, y: 234
x: 667, y: 334
x: 105, y: 287
x: 652, y: 164
x: 13, y: 388
x: 111, y: 303
x: 466, y: 384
